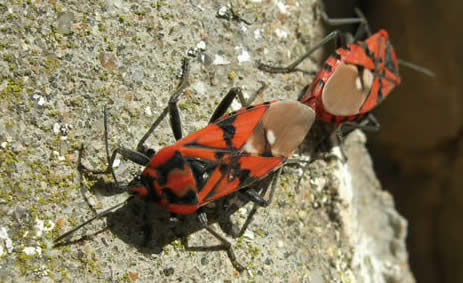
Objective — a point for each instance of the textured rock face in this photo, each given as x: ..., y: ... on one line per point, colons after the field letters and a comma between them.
x: 62, y: 62
x: 418, y: 151
x: 375, y: 229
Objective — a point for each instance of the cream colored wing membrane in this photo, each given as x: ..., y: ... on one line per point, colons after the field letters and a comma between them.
x: 346, y: 90
x: 282, y: 128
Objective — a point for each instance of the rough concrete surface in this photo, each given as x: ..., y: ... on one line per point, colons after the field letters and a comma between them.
x: 62, y: 61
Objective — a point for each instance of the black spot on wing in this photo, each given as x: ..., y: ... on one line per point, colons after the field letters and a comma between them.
x: 336, y: 56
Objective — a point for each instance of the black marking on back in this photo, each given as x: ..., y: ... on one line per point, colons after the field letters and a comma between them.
x: 336, y: 56
x: 148, y: 182
x: 224, y: 169
x: 380, y: 92
x: 228, y: 130
x: 388, y: 59
x: 176, y: 162
x: 250, y: 107
x: 367, y: 50
x: 232, y: 170
x: 194, y: 144
x: 379, y: 59
x: 266, y: 103
x: 189, y: 198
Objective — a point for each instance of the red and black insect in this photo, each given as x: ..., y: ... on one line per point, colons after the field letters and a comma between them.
x: 232, y: 153
x: 352, y: 81
x: 229, y: 154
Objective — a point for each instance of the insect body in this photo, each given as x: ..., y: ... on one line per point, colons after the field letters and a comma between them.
x: 354, y: 80
x: 229, y: 154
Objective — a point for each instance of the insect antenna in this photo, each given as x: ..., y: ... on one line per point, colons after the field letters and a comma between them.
x: 97, y: 216
x: 415, y: 67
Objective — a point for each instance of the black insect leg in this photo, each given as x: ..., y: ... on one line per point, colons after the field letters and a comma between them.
x: 369, y: 123
x: 341, y: 21
x: 364, y: 28
x: 98, y: 216
x: 251, y: 99
x: 174, y: 114
x: 131, y: 155
x: 335, y: 35
x: 172, y: 109
x: 259, y: 200
x: 225, y: 246
x: 221, y: 109
x: 225, y: 103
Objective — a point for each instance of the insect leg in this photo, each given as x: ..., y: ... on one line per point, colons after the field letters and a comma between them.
x: 172, y: 109
x: 174, y: 114
x: 259, y: 200
x: 225, y: 103
x: 360, y: 19
x: 251, y: 99
x: 225, y: 246
x: 369, y: 124
x: 97, y: 216
x: 221, y: 109
x: 364, y: 27
x: 293, y: 66
x: 133, y: 156
x: 341, y: 21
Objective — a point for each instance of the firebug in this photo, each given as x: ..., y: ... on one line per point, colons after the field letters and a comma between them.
x: 231, y: 153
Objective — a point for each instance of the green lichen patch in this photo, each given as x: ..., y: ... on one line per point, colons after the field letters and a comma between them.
x: 13, y: 90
